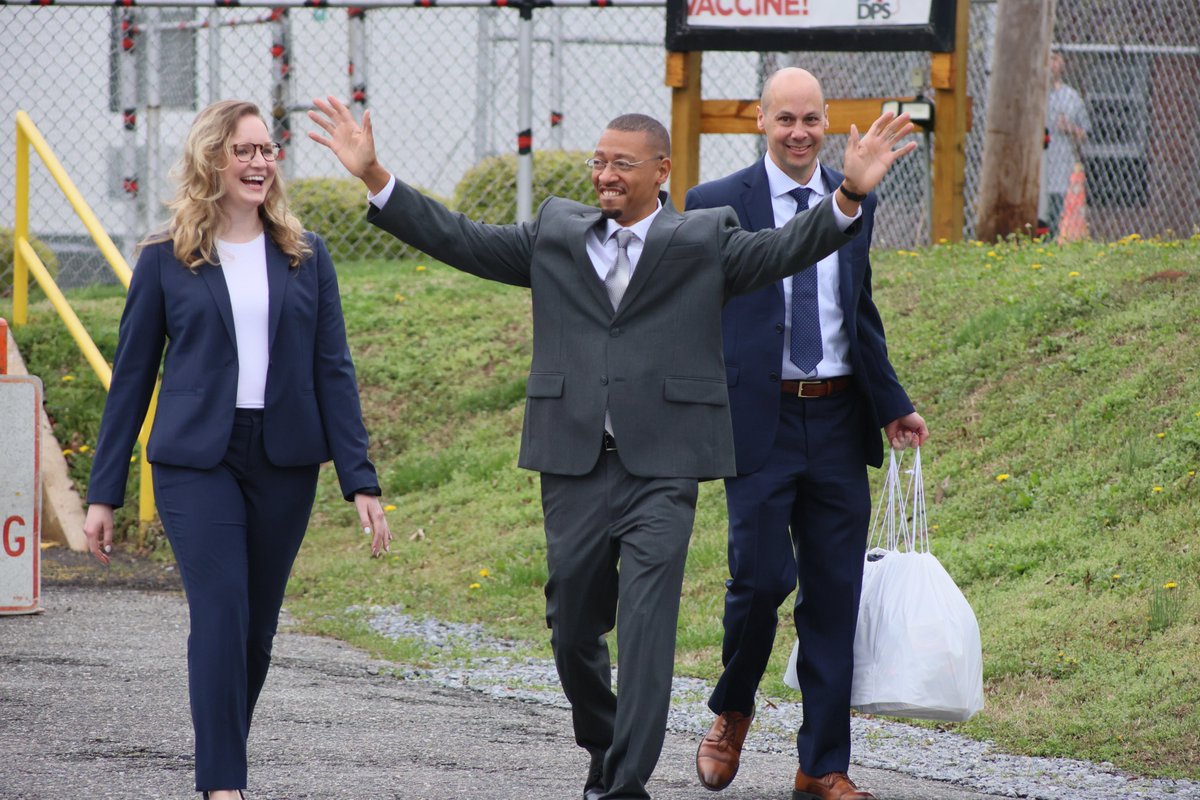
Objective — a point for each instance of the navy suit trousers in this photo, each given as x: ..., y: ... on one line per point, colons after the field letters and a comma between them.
x: 235, y: 530
x: 800, y: 519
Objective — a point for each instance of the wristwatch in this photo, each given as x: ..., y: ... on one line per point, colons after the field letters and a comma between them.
x: 853, y: 196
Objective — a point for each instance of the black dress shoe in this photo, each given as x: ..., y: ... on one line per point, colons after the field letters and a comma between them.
x: 594, y: 787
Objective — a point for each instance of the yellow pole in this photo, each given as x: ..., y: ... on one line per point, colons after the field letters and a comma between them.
x: 21, y: 232
x: 117, y: 261
x: 146, y: 507
x: 26, y: 261
x: 66, y: 313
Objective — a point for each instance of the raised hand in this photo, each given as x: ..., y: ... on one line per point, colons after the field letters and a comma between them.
x: 352, y: 143
x: 868, y: 158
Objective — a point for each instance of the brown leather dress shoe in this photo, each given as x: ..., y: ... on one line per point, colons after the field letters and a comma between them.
x: 834, y: 786
x: 720, y: 750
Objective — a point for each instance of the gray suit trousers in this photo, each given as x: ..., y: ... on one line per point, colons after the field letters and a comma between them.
x: 594, y: 522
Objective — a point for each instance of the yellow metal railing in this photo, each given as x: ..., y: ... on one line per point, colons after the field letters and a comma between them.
x: 27, y: 262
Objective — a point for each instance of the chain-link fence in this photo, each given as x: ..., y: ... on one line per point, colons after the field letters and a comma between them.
x: 114, y: 88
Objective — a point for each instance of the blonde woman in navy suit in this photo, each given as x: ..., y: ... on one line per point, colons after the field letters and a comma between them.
x: 258, y: 390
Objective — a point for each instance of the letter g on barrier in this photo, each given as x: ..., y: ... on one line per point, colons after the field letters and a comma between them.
x: 13, y: 545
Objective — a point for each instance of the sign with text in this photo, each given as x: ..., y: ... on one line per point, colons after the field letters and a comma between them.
x: 20, y: 493
x: 811, y: 25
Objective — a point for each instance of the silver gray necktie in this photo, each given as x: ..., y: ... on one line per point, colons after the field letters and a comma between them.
x: 617, y: 279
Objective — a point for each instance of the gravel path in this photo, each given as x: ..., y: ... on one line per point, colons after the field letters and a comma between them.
x: 877, y: 743
x: 93, y: 704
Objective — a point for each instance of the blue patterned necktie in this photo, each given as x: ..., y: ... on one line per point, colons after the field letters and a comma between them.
x: 806, y: 317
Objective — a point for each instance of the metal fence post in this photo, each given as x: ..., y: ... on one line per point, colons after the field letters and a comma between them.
x: 525, y: 114
x: 153, y: 118
x: 357, y: 69
x: 127, y: 80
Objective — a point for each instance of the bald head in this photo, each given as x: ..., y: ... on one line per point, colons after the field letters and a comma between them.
x: 790, y: 81
x: 792, y: 115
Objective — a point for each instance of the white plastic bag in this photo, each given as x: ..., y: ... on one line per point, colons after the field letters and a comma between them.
x: 917, y: 651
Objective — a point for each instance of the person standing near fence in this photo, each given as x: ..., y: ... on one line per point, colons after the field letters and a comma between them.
x: 258, y: 389
x: 626, y: 406
x: 810, y: 385
x: 1068, y: 125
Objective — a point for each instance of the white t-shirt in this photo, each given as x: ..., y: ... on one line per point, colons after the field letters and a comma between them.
x: 244, y: 265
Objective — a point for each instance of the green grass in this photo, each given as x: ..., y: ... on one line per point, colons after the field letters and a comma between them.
x: 1062, y: 387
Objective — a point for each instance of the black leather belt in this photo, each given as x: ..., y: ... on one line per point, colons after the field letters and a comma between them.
x: 819, y: 388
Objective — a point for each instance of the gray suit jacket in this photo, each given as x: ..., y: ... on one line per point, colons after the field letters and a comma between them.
x: 656, y: 362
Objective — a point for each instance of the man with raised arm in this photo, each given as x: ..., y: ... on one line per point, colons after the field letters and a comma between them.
x: 626, y: 404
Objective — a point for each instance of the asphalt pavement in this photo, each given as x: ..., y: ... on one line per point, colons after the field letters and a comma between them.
x: 93, y: 704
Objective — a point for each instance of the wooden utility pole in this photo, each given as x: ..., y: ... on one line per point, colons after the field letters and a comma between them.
x: 951, y: 121
x: 1016, y: 115
x: 683, y: 76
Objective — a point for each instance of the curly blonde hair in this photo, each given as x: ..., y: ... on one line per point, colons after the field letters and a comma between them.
x: 196, y: 212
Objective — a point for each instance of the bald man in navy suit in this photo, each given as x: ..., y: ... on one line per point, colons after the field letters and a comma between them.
x: 810, y: 386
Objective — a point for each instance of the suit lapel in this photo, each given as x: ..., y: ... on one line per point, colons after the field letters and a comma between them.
x: 277, y: 283
x: 760, y: 212
x: 576, y: 230
x: 214, y: 278
x: 657, y: 237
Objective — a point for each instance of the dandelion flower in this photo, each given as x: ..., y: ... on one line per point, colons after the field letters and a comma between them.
x: 1035, y: 266
x: 68, y: 378
x: 1117, y: 577
x: 1157, y: 489
x: 68, y: 452
x: 474, y: 586
x: 389, y: 507
x: 1002, y: 477
x: 1170, y: 585
x: 399, y: 298
x: 420, y: 268
x: 83, y: 448
x: 483, y: 573
x: 1072, y: 274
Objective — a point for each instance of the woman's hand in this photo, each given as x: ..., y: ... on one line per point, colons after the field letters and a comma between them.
x: 98, y: 528
x: 374, y: 523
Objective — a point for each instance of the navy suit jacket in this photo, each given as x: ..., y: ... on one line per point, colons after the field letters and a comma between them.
x: 311, y: 411
x: 753, y: 324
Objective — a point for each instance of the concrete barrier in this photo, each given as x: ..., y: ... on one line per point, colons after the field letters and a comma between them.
x: 62, y: 509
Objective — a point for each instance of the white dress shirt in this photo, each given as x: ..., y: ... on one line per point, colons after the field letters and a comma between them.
x: 835, y: 343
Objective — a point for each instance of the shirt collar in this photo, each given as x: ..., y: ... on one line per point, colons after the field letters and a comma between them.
x: 781, y: 183
x: 639, y: 228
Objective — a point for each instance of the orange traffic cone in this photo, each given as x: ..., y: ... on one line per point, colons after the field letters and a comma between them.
x: 1073, y: 225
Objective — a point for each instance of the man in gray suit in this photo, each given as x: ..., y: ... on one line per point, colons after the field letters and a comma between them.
x: 626, y: 404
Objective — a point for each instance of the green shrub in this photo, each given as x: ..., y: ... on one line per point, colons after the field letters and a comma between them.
x: 6, y: 260
x: 336, y: 208
x: 488, y: 191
